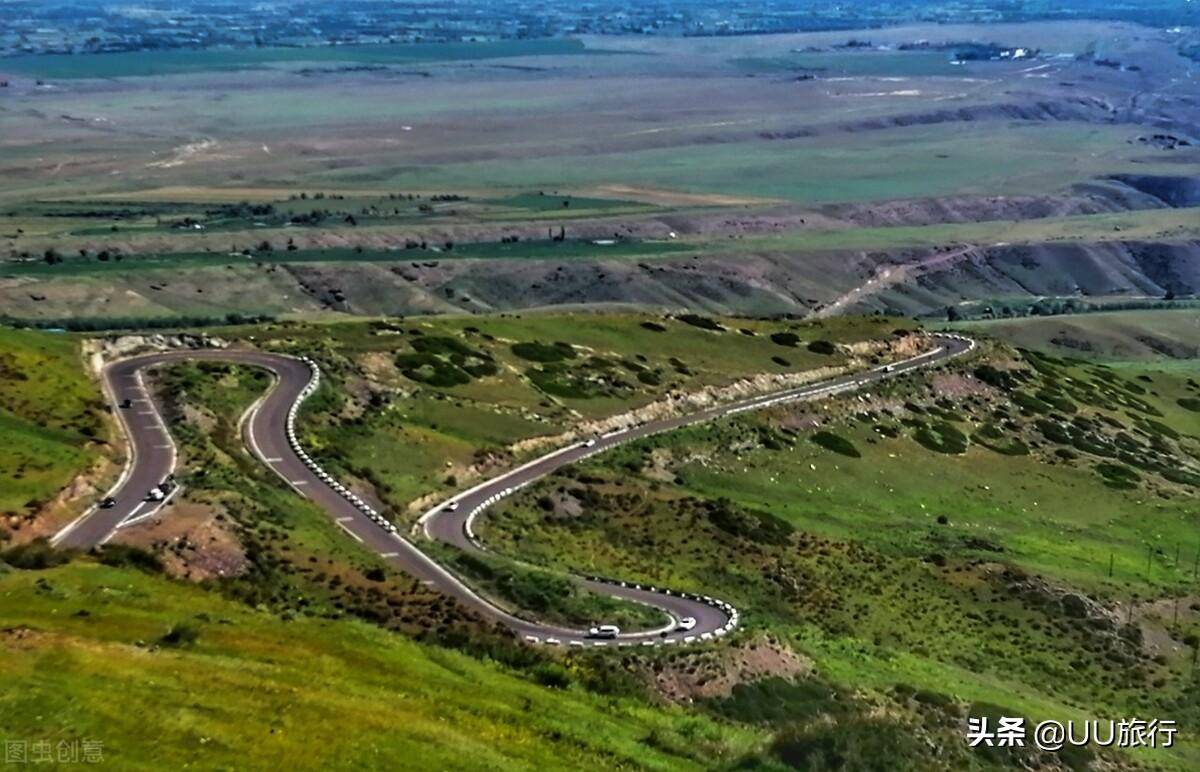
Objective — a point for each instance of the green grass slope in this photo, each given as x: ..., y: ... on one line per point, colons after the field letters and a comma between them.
x: 1021, y: 536
x: 84, y: 657
x: 50, y: 418
x: 1159, y: 338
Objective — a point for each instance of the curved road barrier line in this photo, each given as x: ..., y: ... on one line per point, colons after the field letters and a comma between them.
x: 269, y: 428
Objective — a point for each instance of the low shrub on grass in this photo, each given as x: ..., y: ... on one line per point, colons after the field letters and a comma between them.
x: 852, y: 743
x: 748, y: 524
x: 1118, y: 476
x: 35, y: 556
x: 789, y: 339
x: 182, y: 634
x: 438, y: 344
x: 560, y: 381
x: 552, y: 675
x: 536, y: 351
x: 778, y: 701
x: 126, y: 556
x: 703, y: 322
x: 1030, y: 403
x: 1001, y: 379
x: 432, y: 370
x: 836, y: 443
x: 942, y: 437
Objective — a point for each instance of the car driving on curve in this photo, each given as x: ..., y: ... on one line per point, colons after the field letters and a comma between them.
x: 108, y: 503
x: 607, y: 632
x: 685, y: 624
x: 451, y: 507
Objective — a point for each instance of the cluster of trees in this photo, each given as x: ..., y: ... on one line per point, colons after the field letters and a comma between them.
x: 101, y: 324
x: 1062, y: 306
x: 53, y: 257
x: 242, y: 209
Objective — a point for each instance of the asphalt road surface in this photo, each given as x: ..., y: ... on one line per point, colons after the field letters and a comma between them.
x: 269, y: 433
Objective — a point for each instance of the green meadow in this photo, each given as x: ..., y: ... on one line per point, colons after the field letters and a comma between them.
x: 243, y: 688
x: 909, y: 162
x: 925, y: 540
x: 50, y: 418
x: 460, y: 390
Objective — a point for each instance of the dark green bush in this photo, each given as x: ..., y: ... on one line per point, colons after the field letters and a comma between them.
x: 748, y: 524
x: 552, y: 675
x: 703, y: 322
x: 35, y: 556
x: 858, y: 743
x: 1118, y: 476
x: 432, y: 370
x: 789, y: 339
x: 181, y: 634
x: 778, y: 701
x: 126, y: 556
x: 836, y: 443
x: 1031, y: 403
x: 1001, y: 379
x: 536, y: 351
x: 942, y: 437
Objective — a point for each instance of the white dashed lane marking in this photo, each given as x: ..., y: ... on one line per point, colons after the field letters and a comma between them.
x: 355, y: 536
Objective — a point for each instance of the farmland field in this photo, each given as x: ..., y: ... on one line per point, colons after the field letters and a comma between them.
x: 777, y: 147
x: 127, y: 65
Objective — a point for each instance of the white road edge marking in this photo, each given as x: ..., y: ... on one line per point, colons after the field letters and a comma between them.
x: 357, y: 538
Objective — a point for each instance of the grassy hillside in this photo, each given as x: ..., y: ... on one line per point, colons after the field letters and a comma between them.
x: 1009, y: 535
x: 235, y: 687
x: 415, y: 406
x: 1154, y: 338
x: 50, y: 419
x: 275, y: 620
x: 1024, y: 539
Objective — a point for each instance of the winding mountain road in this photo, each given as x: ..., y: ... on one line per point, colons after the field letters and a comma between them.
x: 269, y: 431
